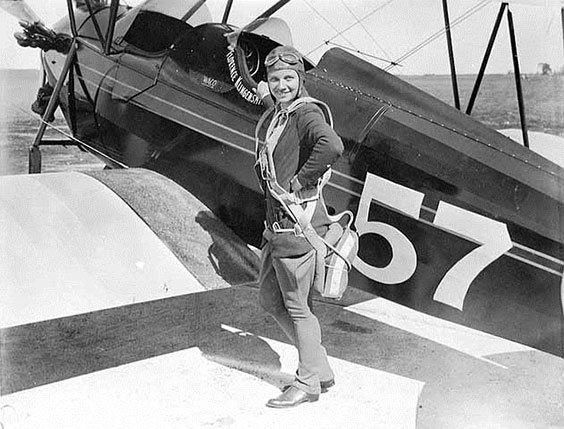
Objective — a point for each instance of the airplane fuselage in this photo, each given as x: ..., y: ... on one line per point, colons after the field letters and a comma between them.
x: 455, y: 220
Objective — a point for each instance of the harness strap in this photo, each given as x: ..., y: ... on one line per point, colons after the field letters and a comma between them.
x: 292, y: 108
x: 260, y: 123
x: 319, y: 244
x: 260, y: 149
x: 293, y: 205
x: 303, y: 220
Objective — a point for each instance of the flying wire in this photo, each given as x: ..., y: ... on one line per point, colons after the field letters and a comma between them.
x: 364, y: 53
x: 68, y: 135
x: 366, y: 30
x: 328, y: 23
x: 467, y: 14
x: 339, y: 33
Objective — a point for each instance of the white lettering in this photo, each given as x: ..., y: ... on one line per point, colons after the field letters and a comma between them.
x: 237, y: 80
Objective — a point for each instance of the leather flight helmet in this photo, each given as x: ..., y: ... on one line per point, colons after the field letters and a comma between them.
x: 285, y: 58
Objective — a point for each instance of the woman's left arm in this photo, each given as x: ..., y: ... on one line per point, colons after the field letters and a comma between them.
x: 321, y: 142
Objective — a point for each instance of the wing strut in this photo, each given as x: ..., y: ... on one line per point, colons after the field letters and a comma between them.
x: 34, y: 151
x: 485, y: 60
x: 192, y: 10
x: 255, y: 23
x: 227, y: 11
x: 72, y: 19
x: 111, y: 26
x: 451, y: 56
x: 517, y: 74
x: 516, y: 70
x: 269, y: 12
x: 95, y: 22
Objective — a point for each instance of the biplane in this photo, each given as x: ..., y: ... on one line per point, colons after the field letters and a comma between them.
x: 455, y: 219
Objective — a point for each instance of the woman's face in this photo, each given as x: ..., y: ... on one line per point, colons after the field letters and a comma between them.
x: 284, y: 85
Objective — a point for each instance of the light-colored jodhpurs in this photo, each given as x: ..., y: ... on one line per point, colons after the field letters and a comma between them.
x: 284, y: 287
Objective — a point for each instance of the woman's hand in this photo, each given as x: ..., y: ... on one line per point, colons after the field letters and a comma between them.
x: 262, y: 90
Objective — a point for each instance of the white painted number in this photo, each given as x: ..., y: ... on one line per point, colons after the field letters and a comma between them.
x: 453, y: 288
x: 494, y: 239
x: 404, y: 258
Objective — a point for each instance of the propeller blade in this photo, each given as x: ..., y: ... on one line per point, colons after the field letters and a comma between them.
x: 20, y: 9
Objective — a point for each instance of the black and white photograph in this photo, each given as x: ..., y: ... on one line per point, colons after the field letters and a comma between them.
x: 281, y: 214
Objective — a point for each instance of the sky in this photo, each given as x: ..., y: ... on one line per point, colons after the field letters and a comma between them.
x: 391, y: 29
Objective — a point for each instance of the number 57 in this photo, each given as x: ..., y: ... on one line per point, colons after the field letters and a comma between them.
x: 492, y: 236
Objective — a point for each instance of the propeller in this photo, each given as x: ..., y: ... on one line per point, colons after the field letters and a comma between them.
x: 35, y: 34
x: 20, y: 9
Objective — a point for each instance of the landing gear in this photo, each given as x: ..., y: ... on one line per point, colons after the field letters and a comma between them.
x: 34, y: 164
x: 34, y: 160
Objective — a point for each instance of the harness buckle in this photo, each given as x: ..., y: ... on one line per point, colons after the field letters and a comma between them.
x: 277, y: 228
x: 297, y: 230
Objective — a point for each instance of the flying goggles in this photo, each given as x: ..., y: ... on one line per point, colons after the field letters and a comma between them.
x: 287, y: 57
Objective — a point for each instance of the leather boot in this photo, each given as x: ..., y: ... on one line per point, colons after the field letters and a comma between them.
x: 292, y: 397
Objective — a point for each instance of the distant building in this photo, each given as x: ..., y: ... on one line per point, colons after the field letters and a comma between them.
x: 544, y: 69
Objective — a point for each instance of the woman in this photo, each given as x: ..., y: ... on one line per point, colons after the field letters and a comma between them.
x: 300, y: 146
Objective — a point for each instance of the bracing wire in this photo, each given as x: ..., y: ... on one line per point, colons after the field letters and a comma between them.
x: 327, y: 22
x: 68, y: 135
x: 340, y: 33
x: 467, y: 14
x: 344, y: 3
x: 364, y: 53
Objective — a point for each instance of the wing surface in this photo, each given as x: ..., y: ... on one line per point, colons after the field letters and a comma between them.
x: 69, y: 245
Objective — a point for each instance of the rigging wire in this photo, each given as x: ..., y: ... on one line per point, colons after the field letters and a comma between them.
x: 339, y: 33
x: 61, y: 131
x: 365, y: 30
x: 442, y: 30
x: 328, y: 23
x: 467, y: 14
x: 392, y: 63
x: 364, y: 53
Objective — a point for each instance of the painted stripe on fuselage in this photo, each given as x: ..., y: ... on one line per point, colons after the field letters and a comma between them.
x: 331, y: 183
